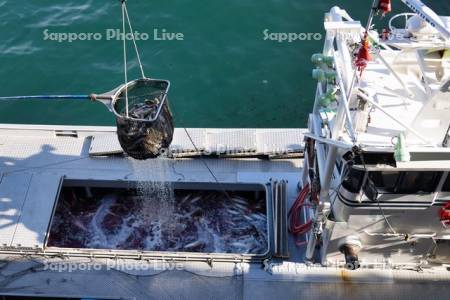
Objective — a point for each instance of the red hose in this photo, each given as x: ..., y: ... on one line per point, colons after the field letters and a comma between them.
x: 295, y: 225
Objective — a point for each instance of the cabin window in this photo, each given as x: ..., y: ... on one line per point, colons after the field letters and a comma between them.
x: 410, y: 182
x: 353, y: 180
x: 385, y: 182
x: 396, y: 182
x: 446, y: 186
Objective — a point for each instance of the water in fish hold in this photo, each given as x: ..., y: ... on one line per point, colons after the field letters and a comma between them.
x: 199, y: 221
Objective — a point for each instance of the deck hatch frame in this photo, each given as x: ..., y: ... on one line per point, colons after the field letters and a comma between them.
x: 167, y: 255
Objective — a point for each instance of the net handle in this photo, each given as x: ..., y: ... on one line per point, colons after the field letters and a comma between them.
x: 46, y: 97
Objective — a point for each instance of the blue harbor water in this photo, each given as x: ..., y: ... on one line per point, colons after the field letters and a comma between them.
x: 223, y: 72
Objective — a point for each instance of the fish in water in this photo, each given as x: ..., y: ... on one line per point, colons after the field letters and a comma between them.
x: 185, y: 199
x: 80, y: 224
x: 259, y: 217
x: 240, y: 201
x: 233, y: 212
x: 248, y: 218
x: 193, y: 245
x: 241, y: 207
x: 195, y: 200
x: 204, y: 221
x: 239, y: 245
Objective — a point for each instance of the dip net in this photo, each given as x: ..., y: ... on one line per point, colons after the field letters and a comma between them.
x: 144, y: 126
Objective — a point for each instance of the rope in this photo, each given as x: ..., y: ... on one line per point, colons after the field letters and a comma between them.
x: 207, y: 166
x: 378, y: 200
x: 134, y: 43
x: 126, y: 15
x: 125, y: 57
x: 201, y: 158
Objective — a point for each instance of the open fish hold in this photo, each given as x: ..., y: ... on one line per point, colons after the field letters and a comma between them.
x: 113, y: 217
x: 143, y: 117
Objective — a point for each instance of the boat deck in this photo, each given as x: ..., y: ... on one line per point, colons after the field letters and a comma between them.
x: 35, y: 159
x: 392, y: 96
x: 34, y: 162
x: 404, y: 101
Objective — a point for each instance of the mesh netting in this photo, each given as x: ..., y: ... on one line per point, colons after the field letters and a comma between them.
x: 148, y: 129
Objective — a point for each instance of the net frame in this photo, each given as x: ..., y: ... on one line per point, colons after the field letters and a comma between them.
x: 161, y: 84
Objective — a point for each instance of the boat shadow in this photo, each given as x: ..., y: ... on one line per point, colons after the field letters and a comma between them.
x: 29, y: 185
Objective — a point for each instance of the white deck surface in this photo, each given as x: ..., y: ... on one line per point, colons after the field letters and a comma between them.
x: 418, y: 101
x: 34, y: 161
x: 218, y: 141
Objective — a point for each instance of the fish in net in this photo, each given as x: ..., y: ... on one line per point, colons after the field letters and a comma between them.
x: 146, y: 129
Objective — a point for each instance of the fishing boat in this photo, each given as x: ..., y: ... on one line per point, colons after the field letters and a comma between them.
x: 356, y: 205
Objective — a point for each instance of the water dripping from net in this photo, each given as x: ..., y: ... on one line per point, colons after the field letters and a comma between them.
x: 155, y: 193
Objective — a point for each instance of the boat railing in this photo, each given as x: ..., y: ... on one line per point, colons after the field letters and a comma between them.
x: 347, y: 82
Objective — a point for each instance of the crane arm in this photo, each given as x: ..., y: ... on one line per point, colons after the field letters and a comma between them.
x: 427, y: 14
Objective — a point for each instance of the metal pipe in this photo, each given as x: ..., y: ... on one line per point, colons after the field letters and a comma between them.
x: 46, y: 97
x: 329, y: 169
x: 342, y: 47
x: 311, y: 247
x: 372, y: 13
x: 319, y: 92
x: 345, y: 103
x: 330, y: 142
x: 371, y: 101
x: 399, y: 79
x: 429, y: 16
x: 319, y: 147
x: 274, y: 188
x: 320, y: 87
